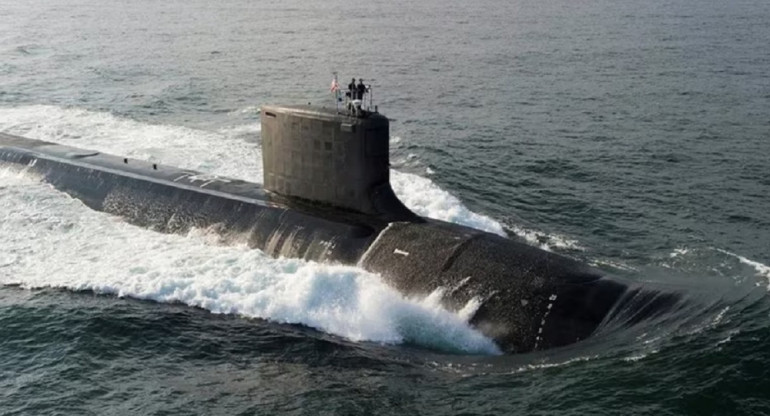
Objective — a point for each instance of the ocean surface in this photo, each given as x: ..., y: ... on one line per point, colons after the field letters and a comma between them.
x: 631, y: 135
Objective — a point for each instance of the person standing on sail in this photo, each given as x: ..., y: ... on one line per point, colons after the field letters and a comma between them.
x: 352, y: 89
x: 361, y: 89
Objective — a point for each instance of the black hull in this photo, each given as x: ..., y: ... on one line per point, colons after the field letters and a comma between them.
x: 526, y: 298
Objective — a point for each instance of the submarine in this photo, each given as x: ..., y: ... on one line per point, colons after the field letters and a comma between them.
x: 327, y: 197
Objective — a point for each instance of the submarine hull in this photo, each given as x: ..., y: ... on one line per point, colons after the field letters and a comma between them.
x: 522, y: 297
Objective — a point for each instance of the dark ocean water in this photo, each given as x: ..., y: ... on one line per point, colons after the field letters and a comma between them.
x: 634, y: 136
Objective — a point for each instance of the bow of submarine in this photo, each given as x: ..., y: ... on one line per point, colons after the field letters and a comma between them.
x: 523, y: 297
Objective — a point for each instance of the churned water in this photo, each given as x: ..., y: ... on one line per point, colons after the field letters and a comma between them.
x: 634, y: 136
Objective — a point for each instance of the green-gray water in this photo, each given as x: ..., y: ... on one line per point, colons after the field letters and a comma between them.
x: 630, y: 135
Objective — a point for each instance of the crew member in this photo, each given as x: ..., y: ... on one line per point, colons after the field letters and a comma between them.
x: 361, y: 89
x: 352, y: 89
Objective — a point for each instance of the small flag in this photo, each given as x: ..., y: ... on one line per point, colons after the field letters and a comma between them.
x: 335, y: 85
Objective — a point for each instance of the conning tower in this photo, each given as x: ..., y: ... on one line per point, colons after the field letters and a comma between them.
x: 336, y: 159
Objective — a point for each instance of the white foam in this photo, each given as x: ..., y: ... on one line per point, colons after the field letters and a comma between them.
x: 426, y: 198
x: 762, y: 270
x: 251, y: 129
x: 250, y: 109
x: 51, y: 240
x: 640, y: 356
x: 729, y: 336
x: 613, y: 264
x: 546, y: 241
x: 678, y: 252
x: 546, y: 365
x: 214, y: 152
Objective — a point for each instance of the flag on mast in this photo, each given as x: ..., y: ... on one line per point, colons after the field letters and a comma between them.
x: 335, y: 89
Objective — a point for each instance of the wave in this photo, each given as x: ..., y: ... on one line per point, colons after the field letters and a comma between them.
x: 547, y: 242
x: 725, y: 263
x: 51, y: 240
x: 762, y: 270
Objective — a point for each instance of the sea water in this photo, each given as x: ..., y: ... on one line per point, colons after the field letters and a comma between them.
x: 629, y: 135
